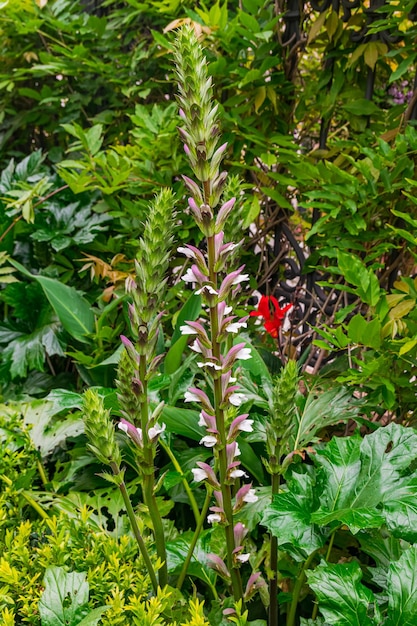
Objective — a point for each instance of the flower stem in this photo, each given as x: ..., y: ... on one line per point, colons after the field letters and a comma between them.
x: 297, y: 590
x: 148, y: 477
x: 187, y: 487
x: 221, y: 448
x: 273, y: 583
x: 196, y: 535
x: 136, y: 531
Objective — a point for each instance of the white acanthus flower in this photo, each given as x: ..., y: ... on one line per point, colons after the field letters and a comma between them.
x: 195, y: 346
x: 234, y: 327
x: 188, y: 253
x: 156, y: 430
x: 213, y: 517
x: 240, y: 279
x: 199, y: 474
x: 210, y: 364
x: 243, y: 558
x: 189, y: 276
x: 250, y: 496
x: 237, y: 473
x: 244, y: 354
x: 209, y: 441
x: 246, y: 426
x: 208, y: 288
x: 191, y: 397
x: 187, y: 330
x: 237, y: 399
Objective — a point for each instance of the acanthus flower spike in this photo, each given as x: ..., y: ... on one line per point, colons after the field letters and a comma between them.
x: 240, y: 423
x: 197, y: 395
x: 134, y: 433
x: 223, y: 213
x: 245, y: 494
x: 239, y: 351
x: 234, y: 278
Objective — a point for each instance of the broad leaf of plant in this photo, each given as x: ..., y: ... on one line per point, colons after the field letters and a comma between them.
x: 93, y: 618
x: 182, y: 422
x: 73, y: 311
x: 321, y: 410
x: 109, y: 513
x: 48, y: 430
x: 289, y: 518
x: 402, y: 590
x: 365, y: 481
x: 360, y: 483
x: 383, y: 548
x: 343, y: 600
x: 177, y: 551
x: 64, y: 601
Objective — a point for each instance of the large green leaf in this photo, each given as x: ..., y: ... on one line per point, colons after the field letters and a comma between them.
x: 402, y: 590
x: 73, y: 311
x: 344, y: 601
x: 360, y: 483
x: 177, y: 551
x: 65, y: 599
x: 320, y: 410
x: 47, y: 429
x: 182, y: 422
x: 289, y: 518
x: 369, y: 476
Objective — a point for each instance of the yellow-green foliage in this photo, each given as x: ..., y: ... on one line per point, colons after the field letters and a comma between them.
x: 115, y: 573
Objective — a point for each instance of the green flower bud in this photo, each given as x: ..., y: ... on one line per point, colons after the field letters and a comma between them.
x: 99, y: 429
x: 200, y: 131
x: 282, y: 418
x: 153, y: 256
x: 128, y: 392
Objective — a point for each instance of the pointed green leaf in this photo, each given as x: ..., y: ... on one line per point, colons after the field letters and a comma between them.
x: 93, y: 618
x: 289, y: 519
x: 323, y: 409
x: 73, y: 311
x: 64, y: 601
x: 402, y: 590
x: 343, y: 600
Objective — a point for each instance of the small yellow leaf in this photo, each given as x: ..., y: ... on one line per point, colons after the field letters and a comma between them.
x: 371, y: 54
x: 41, y: 3
x: 316, y: 28
x: 401, y: 285
x: 260, y: 96
x: 409, y: 345
x: 332, y: 23
x: 402, y: 309
x: 394, y: 298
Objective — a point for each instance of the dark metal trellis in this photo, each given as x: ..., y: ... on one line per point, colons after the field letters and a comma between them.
x: 289, y: 255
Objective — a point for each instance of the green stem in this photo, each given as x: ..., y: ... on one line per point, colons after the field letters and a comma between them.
x: 221, y: 447
x: 273, y: 583
x: 327, y: 557
x: 42, y: 472
x: 187, y: 487
x: 148, y: 477
x: 297, y: 590
x: 194, y: 540
x: 136, y: 531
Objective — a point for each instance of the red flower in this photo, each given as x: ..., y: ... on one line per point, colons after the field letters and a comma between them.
x: 273, y: 322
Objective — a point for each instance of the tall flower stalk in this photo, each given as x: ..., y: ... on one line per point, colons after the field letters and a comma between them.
x: 278, y: 430
x: 139, y: 362
x: 211, y: 276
